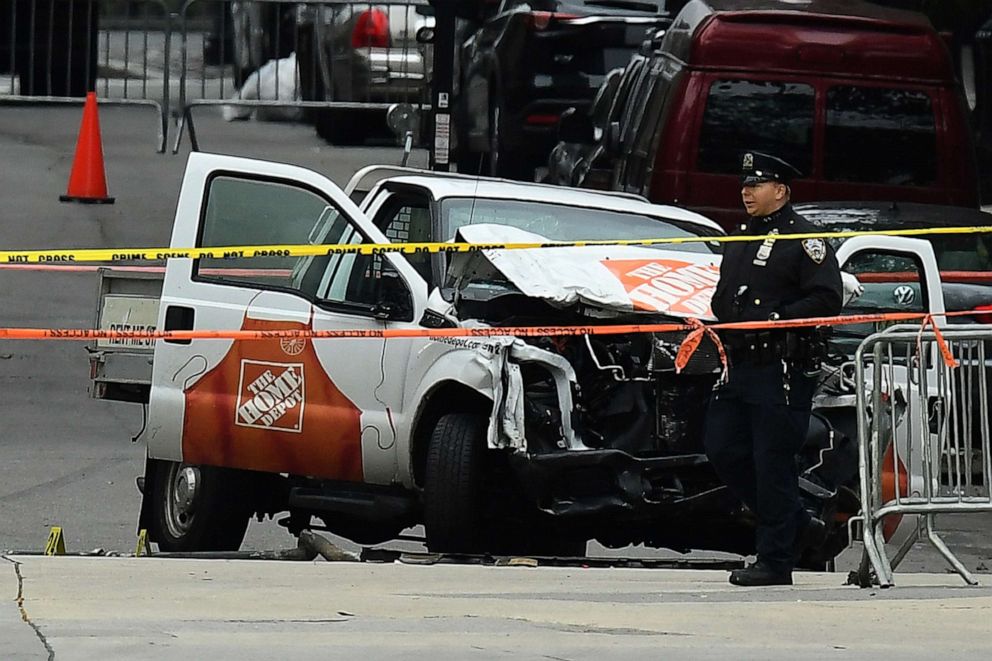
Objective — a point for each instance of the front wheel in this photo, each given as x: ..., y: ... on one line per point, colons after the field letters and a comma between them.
x: 196, y: 508
x: 453, y: 484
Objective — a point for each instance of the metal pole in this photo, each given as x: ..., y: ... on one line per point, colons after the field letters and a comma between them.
x: 442, y: 84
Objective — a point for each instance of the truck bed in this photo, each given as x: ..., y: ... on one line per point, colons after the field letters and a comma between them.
x: 121, y: 369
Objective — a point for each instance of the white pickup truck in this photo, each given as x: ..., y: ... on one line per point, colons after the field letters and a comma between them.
x: 498, y: 444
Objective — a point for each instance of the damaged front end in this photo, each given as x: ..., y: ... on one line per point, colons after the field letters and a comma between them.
x: 602, y: 425
x: 602, y: 435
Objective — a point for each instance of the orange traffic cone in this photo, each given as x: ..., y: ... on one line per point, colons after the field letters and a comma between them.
x: 87, y: 182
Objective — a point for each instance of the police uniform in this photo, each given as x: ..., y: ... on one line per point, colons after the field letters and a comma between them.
x: 759, y: 417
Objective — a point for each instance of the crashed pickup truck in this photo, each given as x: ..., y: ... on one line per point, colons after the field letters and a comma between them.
x: 503, y: 444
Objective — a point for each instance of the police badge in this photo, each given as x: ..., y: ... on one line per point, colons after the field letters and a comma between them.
x: 748, y: 161
x: 816, y: 249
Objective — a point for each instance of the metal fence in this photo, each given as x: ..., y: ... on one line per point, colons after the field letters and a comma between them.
x: 924, y: 434
x: 54, y: 51
x: 339, y: 61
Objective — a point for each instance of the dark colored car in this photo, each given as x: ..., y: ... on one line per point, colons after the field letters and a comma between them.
x: 528, y: 62
x: 581, y: 158
x: 364, y: 53
x: 862, y: 99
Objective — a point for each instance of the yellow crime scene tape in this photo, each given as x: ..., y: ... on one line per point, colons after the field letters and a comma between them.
x: 305, y: 250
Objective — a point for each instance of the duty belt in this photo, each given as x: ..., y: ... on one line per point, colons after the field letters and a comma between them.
x: 760, y: 348
x: 767, y: 347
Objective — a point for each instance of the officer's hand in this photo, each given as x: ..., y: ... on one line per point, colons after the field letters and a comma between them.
x: 852, y: 288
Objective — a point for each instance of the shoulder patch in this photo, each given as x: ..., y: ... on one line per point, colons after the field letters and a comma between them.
x: 816, y: 249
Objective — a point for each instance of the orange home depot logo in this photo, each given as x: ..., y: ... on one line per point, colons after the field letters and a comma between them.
x: 667, y: 285
x: 270, y: 396
x: 259, y: 410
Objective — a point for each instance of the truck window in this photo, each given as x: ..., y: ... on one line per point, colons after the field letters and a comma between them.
x: 766, y: 116
x: 249, y: 212
x: 409, y: 221
x: 879, y: 135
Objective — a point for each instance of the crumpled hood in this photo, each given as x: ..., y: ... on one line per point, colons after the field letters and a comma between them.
x: 620, y: 278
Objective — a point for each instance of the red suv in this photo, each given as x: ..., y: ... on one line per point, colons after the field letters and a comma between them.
x: 862, y: 99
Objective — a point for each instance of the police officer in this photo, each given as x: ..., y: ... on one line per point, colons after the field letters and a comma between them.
x: 758, y: 418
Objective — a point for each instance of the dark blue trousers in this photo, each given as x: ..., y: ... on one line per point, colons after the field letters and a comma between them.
x: 754, y: 429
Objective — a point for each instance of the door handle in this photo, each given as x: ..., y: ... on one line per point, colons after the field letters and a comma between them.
x: 179, y: 317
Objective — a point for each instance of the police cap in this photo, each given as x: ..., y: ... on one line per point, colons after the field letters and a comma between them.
x: 757, y: 167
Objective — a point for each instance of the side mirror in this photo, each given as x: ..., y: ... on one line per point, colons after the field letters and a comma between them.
x: 393, y: 301
x: 575, y: 127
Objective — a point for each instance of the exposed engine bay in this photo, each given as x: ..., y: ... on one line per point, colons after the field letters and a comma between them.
x: 602, y: 428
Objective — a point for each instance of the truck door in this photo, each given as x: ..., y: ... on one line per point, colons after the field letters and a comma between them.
x: 301, y: 406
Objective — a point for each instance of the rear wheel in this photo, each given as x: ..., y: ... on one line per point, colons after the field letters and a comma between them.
x: 196, y: 508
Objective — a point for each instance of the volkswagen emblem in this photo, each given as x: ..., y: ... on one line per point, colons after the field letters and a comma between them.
x: 904, y: 295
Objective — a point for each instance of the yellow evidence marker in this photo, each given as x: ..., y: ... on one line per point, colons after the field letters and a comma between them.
x: 56, y: 542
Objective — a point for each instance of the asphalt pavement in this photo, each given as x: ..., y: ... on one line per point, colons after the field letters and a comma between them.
x: 68, y: 460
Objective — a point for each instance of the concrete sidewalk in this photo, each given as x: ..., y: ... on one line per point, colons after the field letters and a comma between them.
x: 112, y: 608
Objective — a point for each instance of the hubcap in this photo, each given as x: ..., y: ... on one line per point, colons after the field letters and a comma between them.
x: 180, y: 498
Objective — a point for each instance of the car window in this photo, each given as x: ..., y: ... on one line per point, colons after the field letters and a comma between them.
x: 766, y: 116
x: 250, y: 212
x: 879, y: 135
x: 646, y: 123
x: 892, y: 283
x: 559, y: 222
x: 963, y: 252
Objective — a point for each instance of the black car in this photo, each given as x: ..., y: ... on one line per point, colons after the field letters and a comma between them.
x: 892, y: 282
x: 589, y: 143
x: 527, y: 62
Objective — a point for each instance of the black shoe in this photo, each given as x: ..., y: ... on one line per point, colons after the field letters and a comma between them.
x: 760, y: 574
x: 812, y: 535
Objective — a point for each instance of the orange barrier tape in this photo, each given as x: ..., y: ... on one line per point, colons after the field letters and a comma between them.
x: 691, y: 343
x: 686, y: 350
x: 523, y: 331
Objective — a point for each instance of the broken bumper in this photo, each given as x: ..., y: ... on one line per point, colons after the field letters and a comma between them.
x: 595, y: 482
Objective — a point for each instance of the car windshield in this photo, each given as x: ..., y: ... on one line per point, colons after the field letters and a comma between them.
x: 559, y: 222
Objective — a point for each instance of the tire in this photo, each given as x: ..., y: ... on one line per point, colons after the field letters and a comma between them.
x: 453, y: 484
x: 470, y: 505
x: 342, y: 127
x: 196, y: 508
x: 508, y: 164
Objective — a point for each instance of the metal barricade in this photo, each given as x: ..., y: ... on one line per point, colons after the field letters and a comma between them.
x: 55, y: 51
x: 924, y: 435
x: 341, y: 60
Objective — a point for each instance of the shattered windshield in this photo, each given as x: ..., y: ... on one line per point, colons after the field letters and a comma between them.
x: 558, y: 222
